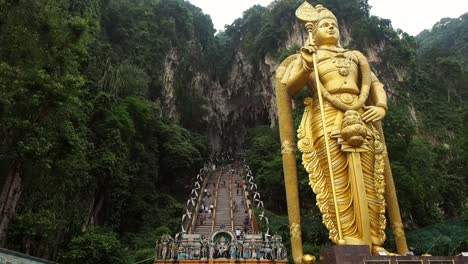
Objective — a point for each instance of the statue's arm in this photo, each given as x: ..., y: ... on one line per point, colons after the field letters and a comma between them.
x: 377, y: 93
x: 378, y: 101
x: 297, y: 77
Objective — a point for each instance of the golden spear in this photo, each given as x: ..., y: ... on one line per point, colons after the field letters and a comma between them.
x: 287, y: 137
x: 307, y: 15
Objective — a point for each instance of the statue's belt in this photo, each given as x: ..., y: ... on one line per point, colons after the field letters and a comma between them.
x: 346, y: 98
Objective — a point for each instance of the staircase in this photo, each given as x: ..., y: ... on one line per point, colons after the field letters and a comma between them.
x: 223, y: 208
x: 212, y: 233
x: 238, y: 198
x: 225, y: 182
x: 204, y: 219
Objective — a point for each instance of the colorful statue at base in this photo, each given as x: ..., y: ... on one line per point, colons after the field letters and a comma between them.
x: 340, y: 136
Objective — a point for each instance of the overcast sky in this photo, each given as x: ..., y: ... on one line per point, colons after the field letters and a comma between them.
x: 411, y: 16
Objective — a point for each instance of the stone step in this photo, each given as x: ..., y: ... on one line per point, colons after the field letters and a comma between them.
x: 228, y: 184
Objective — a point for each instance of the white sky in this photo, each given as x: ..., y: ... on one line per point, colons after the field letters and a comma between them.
x: 412, y: 16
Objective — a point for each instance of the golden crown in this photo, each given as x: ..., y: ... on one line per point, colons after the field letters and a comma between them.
x: 324, y: 13
x: 310, y: 17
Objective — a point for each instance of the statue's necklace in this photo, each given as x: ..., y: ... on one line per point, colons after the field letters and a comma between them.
x: 342, y: 61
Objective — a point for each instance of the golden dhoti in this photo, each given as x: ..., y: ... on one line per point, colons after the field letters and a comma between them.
x: 358, y: 175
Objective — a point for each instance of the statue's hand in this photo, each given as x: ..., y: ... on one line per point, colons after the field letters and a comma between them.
x: 307, y: 52
x: 373, y: 113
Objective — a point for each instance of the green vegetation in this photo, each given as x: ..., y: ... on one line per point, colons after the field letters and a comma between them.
x: 95, y: 163
x: 95, y: 246
x: 85, y: 142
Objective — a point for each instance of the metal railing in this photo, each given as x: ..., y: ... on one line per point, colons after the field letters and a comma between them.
x: 189, y: 217
x: 257, y: 201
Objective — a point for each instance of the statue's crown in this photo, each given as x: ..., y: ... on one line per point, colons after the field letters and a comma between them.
x: 324, y: 13
x: 310, y: 17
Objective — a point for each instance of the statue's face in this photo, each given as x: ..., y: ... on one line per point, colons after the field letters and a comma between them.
x: 327, y: 32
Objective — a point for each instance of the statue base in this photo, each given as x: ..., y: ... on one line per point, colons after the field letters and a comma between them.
x: 344, y: 254
x: 361, y: 255
x: 222, y: 261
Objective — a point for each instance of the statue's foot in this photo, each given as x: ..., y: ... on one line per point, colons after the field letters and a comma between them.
x: 380, y: 251
x: 308, y: 259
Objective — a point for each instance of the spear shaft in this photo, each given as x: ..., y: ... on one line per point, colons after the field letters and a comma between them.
x: 309, y: 28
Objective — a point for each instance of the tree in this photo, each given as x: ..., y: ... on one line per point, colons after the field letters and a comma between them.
x: 95, y: 246
x: 42, y: 48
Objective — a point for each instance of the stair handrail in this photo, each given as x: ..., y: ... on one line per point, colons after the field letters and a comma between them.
x: 256, y: 198
x: 191, y: 205
x: 198, y: 204
x: 230, y: 202
x: 213, y: 214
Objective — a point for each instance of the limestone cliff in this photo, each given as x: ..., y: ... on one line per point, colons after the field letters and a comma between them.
x: 245, y: 98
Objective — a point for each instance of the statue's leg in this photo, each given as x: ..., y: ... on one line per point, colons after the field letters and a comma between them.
x: 341, y: 177
x: 373, y: 164
x: 357, y: 179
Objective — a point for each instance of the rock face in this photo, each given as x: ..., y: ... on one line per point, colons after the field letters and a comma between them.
x: 245, y: 99
x: 170, y: 68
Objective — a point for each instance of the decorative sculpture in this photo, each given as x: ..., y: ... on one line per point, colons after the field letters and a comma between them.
x: 340, y: 137
x: 232, y: 250
x: 203, y: 247
x: 174, y: 249
x: 164, y: 247
x: 267, y: 251
x: 181, y: 253
x: 239, y: 250
x: 222, y: 247
x: 212, y: 250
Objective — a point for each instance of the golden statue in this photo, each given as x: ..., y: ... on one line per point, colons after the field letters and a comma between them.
x: 340, y: 137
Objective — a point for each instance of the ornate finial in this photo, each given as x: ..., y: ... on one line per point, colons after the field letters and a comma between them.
x: 306, y: 13
x: 310, y: 16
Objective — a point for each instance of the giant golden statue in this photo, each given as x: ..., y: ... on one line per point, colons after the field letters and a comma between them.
x: 340, y: 137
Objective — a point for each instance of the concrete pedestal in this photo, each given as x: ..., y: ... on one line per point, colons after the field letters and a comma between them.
x: 361, y: 255
x: 344, y: 254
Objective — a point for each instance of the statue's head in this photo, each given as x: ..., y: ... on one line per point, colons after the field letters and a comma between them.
x: 326, y: 31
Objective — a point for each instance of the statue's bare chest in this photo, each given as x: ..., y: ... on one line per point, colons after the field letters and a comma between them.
x: 337, y: 64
